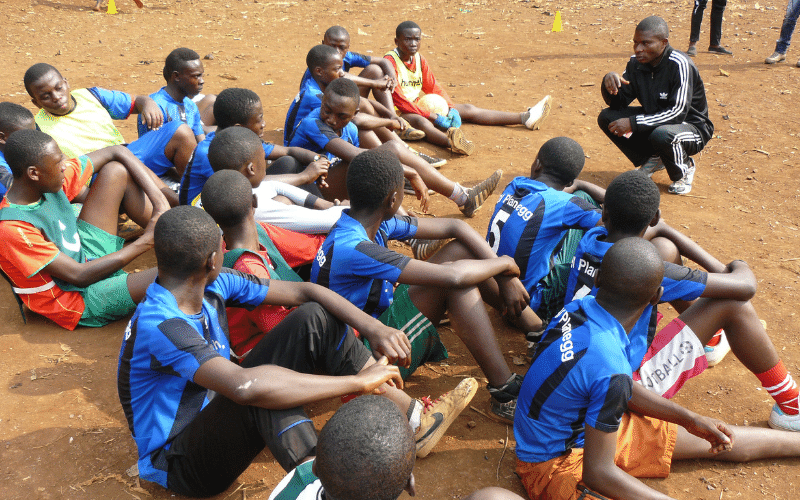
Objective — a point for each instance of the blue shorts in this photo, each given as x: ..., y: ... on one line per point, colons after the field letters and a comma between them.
x: 150, y: 147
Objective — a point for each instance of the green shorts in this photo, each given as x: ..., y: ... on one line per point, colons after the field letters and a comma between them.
x: 109, y: 299
x: 425, y: 343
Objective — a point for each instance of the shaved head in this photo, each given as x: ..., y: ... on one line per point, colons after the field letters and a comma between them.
x: 631, y: 273
x: 654, y: 25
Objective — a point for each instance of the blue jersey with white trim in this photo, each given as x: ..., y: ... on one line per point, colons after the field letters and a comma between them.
x: 580, y: 376
x: 679, y: 283
x: 359, y: 269
x: 314, y: 134
x: 529, y: 223
x: 185, y: 111
x: 162, y: 349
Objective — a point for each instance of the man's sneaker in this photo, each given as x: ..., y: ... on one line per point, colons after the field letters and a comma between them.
x: 432, y: 161
x: 720, y: 50
x: 503, y: 403
x: 776, y: 57
x: 458, y: 143
x: 478, y: 194
x: 535, y: 116
x: 691, y: 51
x: 780, y: 420
x: 424, y: 249
x: 438, y: 415
x: 684, y: 184
x: 717, y: 352
x: 653, y: 165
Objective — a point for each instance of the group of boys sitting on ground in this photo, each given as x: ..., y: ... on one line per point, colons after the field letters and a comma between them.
x: 226, y: 329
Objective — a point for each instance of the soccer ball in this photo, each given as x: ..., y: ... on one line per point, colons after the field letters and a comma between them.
x: 433, y: 103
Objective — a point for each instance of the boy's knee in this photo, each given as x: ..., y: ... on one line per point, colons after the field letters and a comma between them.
x: 184, y: 137
x: 372, y: 72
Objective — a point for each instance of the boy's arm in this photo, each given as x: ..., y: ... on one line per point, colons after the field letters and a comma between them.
x: 597, y: 193
x: 514, y: 295
x: 737, y: 282
x: 303, y: 155
x: 384, y: 340
x: 686, y: 246
x: 384, y: 83
x: 366, y: 121
x: 601, y: 474
x: 388, y: 69
x: 648, y: 403
x: 151, y: 114
x: 317, y: 165
x: 277, y: 388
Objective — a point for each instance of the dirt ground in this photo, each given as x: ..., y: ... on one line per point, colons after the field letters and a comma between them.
x: 62, y: 431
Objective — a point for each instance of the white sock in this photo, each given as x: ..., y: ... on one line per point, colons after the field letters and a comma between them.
x: 459, y: 195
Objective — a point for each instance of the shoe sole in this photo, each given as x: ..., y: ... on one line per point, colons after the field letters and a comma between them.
x: 536, y: 125
x: 426, y: 443
x: 484, y: 192
x: 775, y: 424
x: 435, y: 164
x: 458, y: 143
x: 774, y: 61
x: 412, y: 135
x: 428, y: 249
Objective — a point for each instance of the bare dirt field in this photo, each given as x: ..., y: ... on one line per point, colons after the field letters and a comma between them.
x: 62, y: 430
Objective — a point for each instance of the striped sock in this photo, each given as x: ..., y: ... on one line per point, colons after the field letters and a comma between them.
x: 780, y: 385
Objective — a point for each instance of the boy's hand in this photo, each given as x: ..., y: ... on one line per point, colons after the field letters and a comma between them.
x: 455, y: 118
x: 421, y: 191
x: 391, y: 343
x: 147, y: 238
x: 375, y: 375
x: 513, y: 269
x: 712, y: 430
x: 613, y: 81
x: 318, y: 170
x: 515, y: 297
x: 384, y: 83
x: 151, y: 114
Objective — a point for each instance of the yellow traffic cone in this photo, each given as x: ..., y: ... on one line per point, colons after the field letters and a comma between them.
x: 556, y: 21
x: 112, y: 9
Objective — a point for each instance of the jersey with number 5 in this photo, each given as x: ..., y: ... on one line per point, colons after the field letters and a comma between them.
x: 529, y: 223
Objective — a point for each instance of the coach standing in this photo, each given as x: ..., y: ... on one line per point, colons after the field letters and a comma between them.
x: 672, y: 123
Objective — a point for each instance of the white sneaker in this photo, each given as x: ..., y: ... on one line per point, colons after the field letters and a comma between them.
x: 684, y: 184
x: 653, y: 165
x: 715, y: 354
x: 780, y: 420
x: 538, y: 113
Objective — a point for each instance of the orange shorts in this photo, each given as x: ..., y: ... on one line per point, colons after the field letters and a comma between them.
x: 644, y: 449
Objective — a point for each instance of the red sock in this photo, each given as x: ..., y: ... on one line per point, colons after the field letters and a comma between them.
x: 779, y: 384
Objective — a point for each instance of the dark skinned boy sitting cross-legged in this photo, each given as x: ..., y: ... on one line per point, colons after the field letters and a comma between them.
x: 69, y: 269
x: 199, y: 419
x: 355, y: 262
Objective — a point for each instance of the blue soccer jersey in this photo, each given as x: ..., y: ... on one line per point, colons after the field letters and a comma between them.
x: 162, y: 349
x: 580, y: 376
x: 359, y: 269
x: 307, y: 100
x: 314, y: 134
x: 679, y: 283
x: 529, y: 222
x: 185, y: 111
x: 350, y: 60
x: 118, y: 104
x: 199, y: 170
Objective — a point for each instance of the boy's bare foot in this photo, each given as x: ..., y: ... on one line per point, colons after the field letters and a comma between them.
x: 458, y: 143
